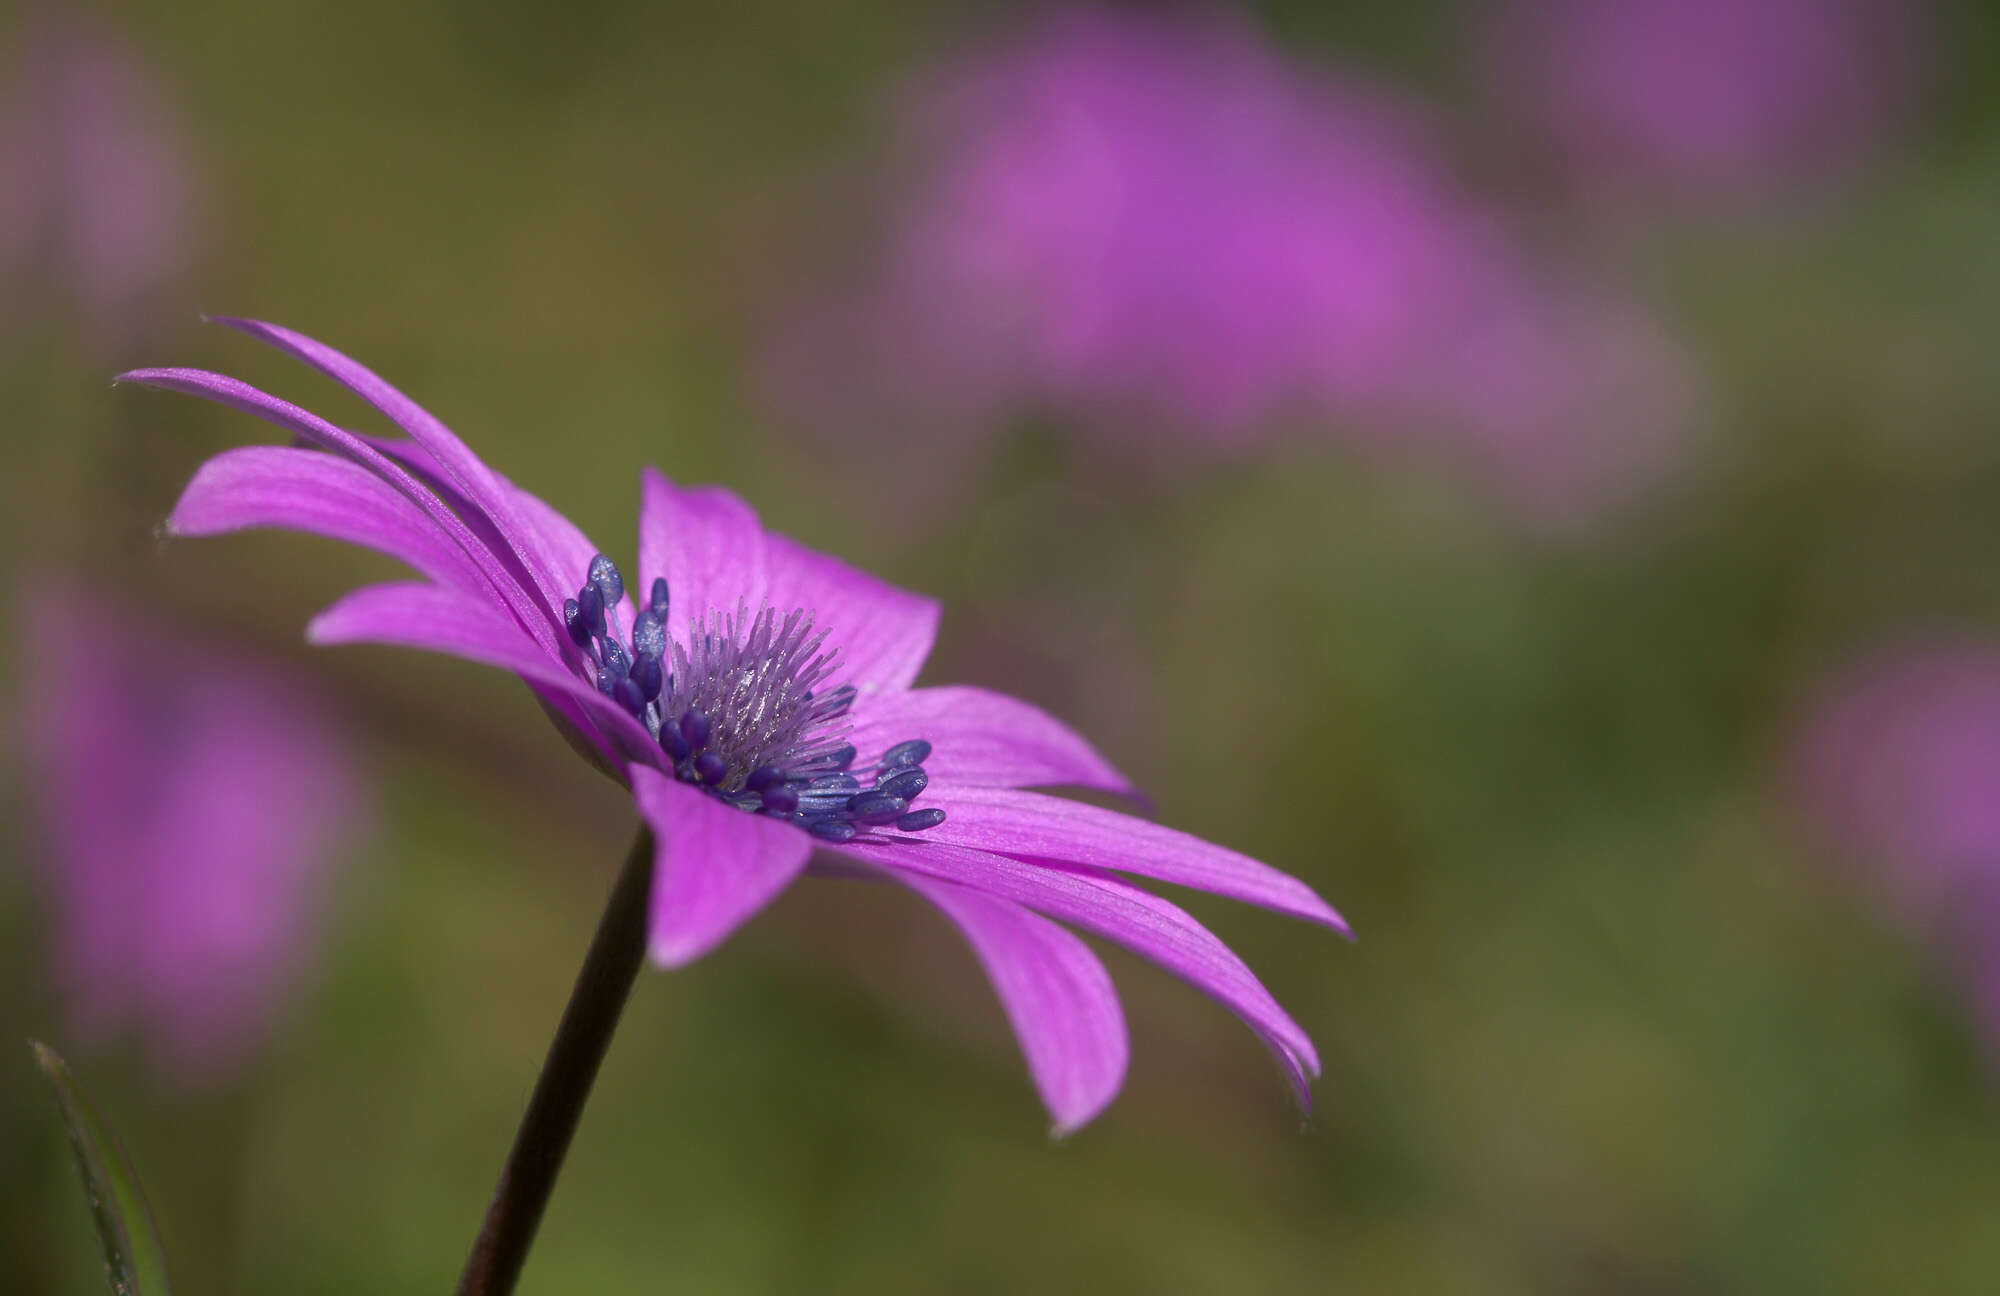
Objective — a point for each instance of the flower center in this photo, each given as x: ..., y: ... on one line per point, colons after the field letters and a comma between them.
x: 742, y: 710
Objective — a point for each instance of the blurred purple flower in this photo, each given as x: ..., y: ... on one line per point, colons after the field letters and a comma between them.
x: 1163, y: 226
x: 715, y: 701
x: 1899, y: 765
x: 1699, y: 97
x: 1901, y: 761
x: 191, y: 800
x: 95, y: 195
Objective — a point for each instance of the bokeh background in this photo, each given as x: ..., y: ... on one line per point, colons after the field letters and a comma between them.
x: 1528, y: 469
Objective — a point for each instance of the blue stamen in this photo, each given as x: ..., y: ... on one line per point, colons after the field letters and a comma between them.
x: 649, y: 637
x: 907, y: 784
x: 612, y: 654
x: 743, y: 707
x: 604, y: 577
x: 646, y: 674
x: 876, y: 807
x: 579, y: 633
x: 590, y: 609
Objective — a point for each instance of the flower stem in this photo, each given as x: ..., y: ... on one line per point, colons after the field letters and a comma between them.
x: 602, y: 986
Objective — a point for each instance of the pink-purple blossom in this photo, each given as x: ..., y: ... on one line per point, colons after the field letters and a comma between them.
x: 96, y: 199
x: 758, y: 698
x: 192, y: 800
x: 1897, y: 768
x: 1704, y: 98
x: 1181, y: 238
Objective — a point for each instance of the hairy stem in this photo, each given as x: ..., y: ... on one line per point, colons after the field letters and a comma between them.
x: 602, y: 986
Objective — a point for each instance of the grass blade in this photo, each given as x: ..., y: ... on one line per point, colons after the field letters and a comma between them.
x: 133, y: 1259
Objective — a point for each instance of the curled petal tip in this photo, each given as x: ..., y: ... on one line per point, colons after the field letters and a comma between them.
x: 671, y: 953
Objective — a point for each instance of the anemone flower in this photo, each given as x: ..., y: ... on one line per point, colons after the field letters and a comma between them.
x: 1184, y: 239
x: 756, y: 698
x: 1899, y: 761
x: 1705, y: 97
x: 1898, y: 765
x: 192, y: 800
x: 96, y: 188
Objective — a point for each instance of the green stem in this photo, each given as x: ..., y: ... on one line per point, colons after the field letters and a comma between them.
x: 602, y: 986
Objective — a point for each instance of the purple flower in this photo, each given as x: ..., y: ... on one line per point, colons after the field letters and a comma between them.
x: 1704, y: 96
x: 191, y: 801
x: 95, y: 197
x: 1898, y: 764
x: 1900, y: 761
x: 1171, y: 231
x: 756, y: 698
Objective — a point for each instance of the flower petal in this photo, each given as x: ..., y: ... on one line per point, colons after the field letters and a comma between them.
x: 310, y: 490
x: 987, y: 739
x: 1057, y: 995
x: 1033, y: 827
x: 707, y: 543
x: 415, y: 615
x: 570, y: 549
x: 884, y: 633
x: 463, y: 468
x: 1145, y: 924
x: 717, y: 866
x: 526, y: 606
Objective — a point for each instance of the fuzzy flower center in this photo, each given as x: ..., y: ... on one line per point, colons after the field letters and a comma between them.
x: 743, y: 710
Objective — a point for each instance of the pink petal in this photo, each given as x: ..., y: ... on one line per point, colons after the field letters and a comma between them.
x: 463, y: 468
x: 415, y: 615
x: 706, y: 542
x: 884, y: 633
x: 569, y: 548
x: 717, y: 866
x: 1057, y: 995
x: 1145, y: 924
x: 526, y: 606
x: 981, y: 738
x: 1030, y: 826
x: 310, y: 490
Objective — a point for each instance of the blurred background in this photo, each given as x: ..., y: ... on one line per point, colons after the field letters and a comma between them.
x: 1527, y: 468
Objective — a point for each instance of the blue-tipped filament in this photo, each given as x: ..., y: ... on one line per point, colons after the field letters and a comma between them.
x: 744, y: 710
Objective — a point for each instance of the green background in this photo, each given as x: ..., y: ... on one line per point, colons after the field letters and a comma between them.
x: 1614, y: 1021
